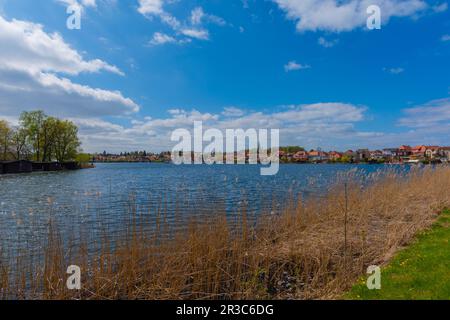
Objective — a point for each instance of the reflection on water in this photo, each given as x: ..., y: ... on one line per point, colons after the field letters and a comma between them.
x: 90, y: 201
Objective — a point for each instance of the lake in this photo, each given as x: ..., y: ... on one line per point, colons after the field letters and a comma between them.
x: 89, y: 201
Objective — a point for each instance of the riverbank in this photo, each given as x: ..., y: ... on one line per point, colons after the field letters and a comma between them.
x: 419, y: 272
x: 25, y: 166
x: 316, y: 248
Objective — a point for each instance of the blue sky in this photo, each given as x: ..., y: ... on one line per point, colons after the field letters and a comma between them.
x: 139, y: 69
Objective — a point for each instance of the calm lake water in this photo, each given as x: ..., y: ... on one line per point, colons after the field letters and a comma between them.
x: 90, y: 201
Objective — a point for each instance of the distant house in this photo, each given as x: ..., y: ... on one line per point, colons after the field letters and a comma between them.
x: 432, y: 152
x: 418, y: 151
x: 363, y: 154
x: 376, y: 155
x: 390, y: 152
x: 334, y: 155
x: 317, y: 156
x: 301, y: 156
x: 445, y: 153
x: 349, y: 153
x: 404, y: 151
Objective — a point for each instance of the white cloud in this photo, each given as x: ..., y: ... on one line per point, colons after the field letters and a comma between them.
x: 338, y: 16
x: 161, y: 38
x: 82, y: 4
x: 427, y: 124
x: 155, y: 8
x: 32, y: 65
x: 394, y: 70
x: 328, y: 125
x: 233, y: 112
x: 445, y: 38
x: 215, y: 20
x: 13, y: 121
x: 294, y: 66
x: 435, y: 113
x: 192, y: 28
x: 27, y: 47
x: 89, y: 3
x: 197, y: 15
x: 197, y: 19
x: 327, y: 43
x: 52, y: 81
x: 200, y: 34
x: 151, y: 7
x: 170, y: 20
x: 308, y: 125
x: 22, y: 91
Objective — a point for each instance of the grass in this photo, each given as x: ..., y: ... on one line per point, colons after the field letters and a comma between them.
x: 419, y: 272
x: 315, y: 249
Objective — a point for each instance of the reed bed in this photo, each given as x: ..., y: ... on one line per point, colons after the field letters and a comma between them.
x: 316, y: 248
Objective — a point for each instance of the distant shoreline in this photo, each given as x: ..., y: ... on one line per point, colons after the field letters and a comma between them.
x: 26, y: 166
x: 294, y: 163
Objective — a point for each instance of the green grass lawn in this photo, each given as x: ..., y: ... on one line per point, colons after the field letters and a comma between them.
x: 419, y: 272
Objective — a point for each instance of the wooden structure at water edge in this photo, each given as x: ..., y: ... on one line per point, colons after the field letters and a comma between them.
x: 21, y: 166
x: 25, y: 166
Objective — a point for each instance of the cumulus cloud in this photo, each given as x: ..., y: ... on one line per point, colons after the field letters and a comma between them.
x: 86, y: 3
x: 151, y: 7
x: 338, y: 16
x: 427, y: 124
x: 308, y: 125
x: 200, y: 34
x: 82, y: 4
x: 26, y: 46
x: 162, y: 38
x: 198, y: 16
x: 32, y: 68
x: 435, y: 113
x: 327, y: 125
x: 233, y: 112
x: 294, y: 66
x: 22, y: 91
x: 192, y: 28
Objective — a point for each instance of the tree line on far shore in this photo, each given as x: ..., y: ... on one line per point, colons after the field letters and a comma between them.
x: 40, y: 138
